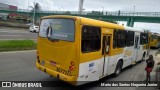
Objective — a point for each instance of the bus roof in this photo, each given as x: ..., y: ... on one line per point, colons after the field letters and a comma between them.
x: 134, y: 29
x: 89, y: 21
x: 59, y: 16
x: 94, y: 22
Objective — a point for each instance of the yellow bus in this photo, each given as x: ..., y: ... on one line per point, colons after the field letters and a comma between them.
x: 155, y: 40
x: 74, y: 49
x: 158, y: 40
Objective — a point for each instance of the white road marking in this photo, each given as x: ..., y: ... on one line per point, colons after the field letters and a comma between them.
x: 19, y: 39
x: 11, y: 35
x: 18, y: 51
x: 13, y: 31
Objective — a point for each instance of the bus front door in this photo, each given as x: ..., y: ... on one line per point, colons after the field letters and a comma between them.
x: 105, y: 53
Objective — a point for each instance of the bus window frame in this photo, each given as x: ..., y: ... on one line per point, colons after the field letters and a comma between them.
x: 128, y: 38
x: 119, y: 40
x: 82, y: 37
x: 142, y: 41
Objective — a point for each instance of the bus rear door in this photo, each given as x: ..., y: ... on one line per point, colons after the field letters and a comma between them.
x: 105, y: 53
x: 136, y: 48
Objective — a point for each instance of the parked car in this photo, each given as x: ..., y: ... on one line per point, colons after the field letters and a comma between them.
x: 29, y: 24
x: 34, y: 29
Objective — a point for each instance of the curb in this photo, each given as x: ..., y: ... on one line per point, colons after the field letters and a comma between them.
x: 18, y: 51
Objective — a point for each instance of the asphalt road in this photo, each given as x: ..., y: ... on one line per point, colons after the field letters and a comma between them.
x: 20, y: 66
x: 18, y: 34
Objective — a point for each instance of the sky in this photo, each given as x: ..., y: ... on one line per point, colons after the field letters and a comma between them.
x: 96, y: 5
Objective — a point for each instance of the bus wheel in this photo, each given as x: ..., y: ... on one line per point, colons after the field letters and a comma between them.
x: 118, y: 68
x: 143, y: 57
x: 34, y: 31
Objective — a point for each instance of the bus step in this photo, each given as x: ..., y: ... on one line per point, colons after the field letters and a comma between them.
x: 133, y: 63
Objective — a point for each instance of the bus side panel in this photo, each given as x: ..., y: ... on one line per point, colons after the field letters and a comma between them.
x: 128, y: 56
x: 89, y: 64
x: 141, y: 48
x: 90, y: 71
x: 154, y: 43
x: 113, y: 62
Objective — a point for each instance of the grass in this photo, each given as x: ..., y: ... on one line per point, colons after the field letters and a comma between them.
x: 13, y: 24
x: 17, y: 45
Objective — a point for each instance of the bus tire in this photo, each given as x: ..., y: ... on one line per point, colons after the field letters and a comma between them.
x: 143, y: 57
x: 118, y: 68
x: 34, y: 31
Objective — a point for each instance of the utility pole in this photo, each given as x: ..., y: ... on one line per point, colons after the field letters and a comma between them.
x: 102, y: 10
x: 27, y: 9
x: 80, y: 9
x: 34, y: 13
x: 133, y: 10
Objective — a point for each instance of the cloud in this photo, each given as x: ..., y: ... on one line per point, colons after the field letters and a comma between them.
x: 109, y: 5
x: 96, y: 5
x: 154, y: 27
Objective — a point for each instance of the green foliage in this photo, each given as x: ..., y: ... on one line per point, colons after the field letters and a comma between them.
x: 13, y: 45
x: 13, y: 24
x: 68, y: 12
x: 95, y: 13
x: 37, y: 7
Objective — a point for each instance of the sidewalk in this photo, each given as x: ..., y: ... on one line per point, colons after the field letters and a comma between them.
x: 13, y: 28
x: 153, y: 73
x: 156, y: 59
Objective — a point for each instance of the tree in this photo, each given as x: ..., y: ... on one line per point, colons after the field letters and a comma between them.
x: 95, y: 13
x: 37, y: 8
x: 68, y: 12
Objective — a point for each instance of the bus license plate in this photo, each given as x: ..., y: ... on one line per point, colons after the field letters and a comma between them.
x: 53, y: 63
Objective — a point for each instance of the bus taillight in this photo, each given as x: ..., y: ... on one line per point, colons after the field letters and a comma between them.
x: 72, y: 66
x: 72, y: 63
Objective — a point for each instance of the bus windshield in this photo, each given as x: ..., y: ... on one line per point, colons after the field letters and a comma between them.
x: 154, y: 36
x: 60, y: 29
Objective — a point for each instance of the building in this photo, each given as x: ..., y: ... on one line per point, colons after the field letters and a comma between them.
x: 8, y: 7
x: 3, y: 16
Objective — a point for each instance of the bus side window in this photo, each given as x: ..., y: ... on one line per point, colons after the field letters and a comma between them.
x: 143, y: 38
x: 130, y: 38
x: 121, y: 38
x: 91, y: 39
x: 115, y: 39
x: 106, y: 45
